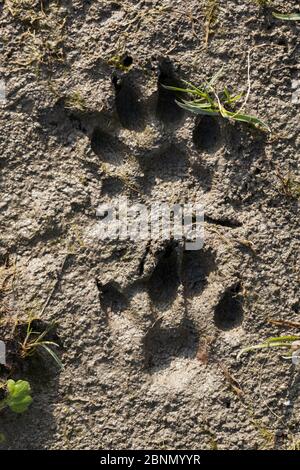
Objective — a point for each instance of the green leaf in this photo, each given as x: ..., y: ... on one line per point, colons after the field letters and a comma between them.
x: 19, y: 389
x: 249, y: 119
x: 18, y: 399
x: 211, y: 104
x: 10, y: 384
x: 288, y: 17
x: 19, y: 406
x: 200, y: 90
x: 197, y: 109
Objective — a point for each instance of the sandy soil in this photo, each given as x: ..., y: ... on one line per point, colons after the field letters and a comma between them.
x: 149, y: 335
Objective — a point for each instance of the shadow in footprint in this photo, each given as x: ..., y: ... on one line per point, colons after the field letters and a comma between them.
x: 164, y: 281
x: 167, y: 110
x: 107, y: 147
x: 229, y: 311
x: 207, y: 134
x: 162, y: 345
x: 196, y: 267
x: 129, y: 108
x: 112, y: 186
x: 111, y: 299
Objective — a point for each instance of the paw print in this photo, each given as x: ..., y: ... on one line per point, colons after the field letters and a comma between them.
x: 158, y: 300
x: 168, y: 303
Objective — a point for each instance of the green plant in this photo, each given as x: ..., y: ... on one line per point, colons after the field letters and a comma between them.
x: 287, y: 17
x: 209, y: 102
x: 34, y: 341
x: 290, y: 343
x: 18, y: 396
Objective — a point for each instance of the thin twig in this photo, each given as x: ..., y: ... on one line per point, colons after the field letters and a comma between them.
x: 286, y: 323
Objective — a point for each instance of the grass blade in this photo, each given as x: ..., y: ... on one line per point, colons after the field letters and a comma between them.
x: 192, y: 91
x: 52, y: 354
x: 262, y: 346
x: 197, y: 109
x: 290, y: 338
x: 287, y: 17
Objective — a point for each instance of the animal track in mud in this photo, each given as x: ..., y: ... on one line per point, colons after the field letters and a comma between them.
x: 111, y: 298
x: 129, y: 108
x: 169, y: 163
x: 229, y: 311
x: 174, y: 268
x: 196, y: 267
x: 207, y: 134
x: 149, y: 117
x: 162, y: 345
x: 176, y: 274
x: 164, y: 281
x: 107, y: 147
x: 167, y: 110
x: 178, y: 278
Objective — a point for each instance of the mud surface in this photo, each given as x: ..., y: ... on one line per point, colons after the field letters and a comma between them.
x: 149, y: 334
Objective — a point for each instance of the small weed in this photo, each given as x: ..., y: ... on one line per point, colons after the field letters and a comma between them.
x: 41, y: 50
x: 34, y: 341
x: 266, y: 434
x: 207, y: 101
x: 290, y: 343
x: 18, y: 396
